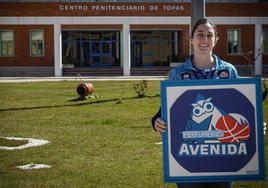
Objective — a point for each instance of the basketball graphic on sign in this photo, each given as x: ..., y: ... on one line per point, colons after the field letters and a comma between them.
x: 235, y: 127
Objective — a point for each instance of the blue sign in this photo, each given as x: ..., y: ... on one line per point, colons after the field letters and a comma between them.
x: 214, y: 130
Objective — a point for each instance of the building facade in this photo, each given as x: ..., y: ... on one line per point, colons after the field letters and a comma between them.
x: 61, y: 38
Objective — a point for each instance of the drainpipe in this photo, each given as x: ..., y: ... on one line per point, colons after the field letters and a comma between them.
x: 197, y: 12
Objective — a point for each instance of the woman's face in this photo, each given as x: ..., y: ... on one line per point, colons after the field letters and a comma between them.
x: 204, y: 39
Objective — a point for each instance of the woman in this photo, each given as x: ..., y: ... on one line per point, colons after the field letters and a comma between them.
x: 203, y: 64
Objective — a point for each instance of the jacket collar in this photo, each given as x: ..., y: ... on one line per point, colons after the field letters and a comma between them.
x: 188, y: 65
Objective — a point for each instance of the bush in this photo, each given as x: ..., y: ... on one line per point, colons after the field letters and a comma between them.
x: 141, y: 88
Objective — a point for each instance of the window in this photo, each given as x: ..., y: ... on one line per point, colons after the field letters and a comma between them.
x: 6, y: 43
x: 154, y: 48
x: 91, y: 48
x: 265, y: 41
x: 37, y: 42
x: 234, y: 42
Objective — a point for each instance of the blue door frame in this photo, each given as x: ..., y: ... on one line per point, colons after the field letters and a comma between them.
x: 97, y: 53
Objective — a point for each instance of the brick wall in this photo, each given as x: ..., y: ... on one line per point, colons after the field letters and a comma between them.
x: 22, y: 46
x: 247, y: 42
x: 237, y: 9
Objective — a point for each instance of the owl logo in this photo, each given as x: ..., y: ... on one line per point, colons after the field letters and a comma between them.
x: 204, y: 115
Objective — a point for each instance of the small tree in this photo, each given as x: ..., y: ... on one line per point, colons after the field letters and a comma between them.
x: 250, y: 58
x: 141, y: 88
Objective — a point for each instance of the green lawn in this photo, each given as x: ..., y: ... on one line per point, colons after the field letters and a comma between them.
x: 93, y: 143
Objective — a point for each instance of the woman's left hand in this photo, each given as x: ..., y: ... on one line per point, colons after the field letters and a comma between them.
x: 264, y: 128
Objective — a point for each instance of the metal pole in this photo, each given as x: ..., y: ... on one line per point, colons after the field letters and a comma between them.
x: 258, y: 49
x: 197, y: 12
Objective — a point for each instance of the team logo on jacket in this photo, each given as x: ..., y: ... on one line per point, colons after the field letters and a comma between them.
x: 186, y: 76
x: 223, y: 74
x: 212, y: 130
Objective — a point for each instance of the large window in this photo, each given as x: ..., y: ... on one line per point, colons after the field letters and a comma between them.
x: 234, y: 42
x: 37, y: 42
x: 265, y: 41
x: 154, y: 48
x: 6, y: 43
x: 91, y: 48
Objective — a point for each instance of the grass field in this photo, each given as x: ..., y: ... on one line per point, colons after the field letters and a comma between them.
x: 93, y: 143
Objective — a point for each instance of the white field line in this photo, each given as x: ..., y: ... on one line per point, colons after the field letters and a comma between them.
x: 31, y: 143
x: 158, y: 143
x: 33, y: 166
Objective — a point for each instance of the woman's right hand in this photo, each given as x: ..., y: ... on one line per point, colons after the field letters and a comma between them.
x: 160, y: 125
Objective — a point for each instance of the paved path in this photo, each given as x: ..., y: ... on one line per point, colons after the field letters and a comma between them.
x: 92, y: 78
x: 82, y: 78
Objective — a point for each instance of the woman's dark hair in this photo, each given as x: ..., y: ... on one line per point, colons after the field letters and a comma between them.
x: 205, y: 21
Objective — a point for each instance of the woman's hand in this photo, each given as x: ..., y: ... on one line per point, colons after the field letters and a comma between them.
x: 264, y: 128
x: 160, y: 125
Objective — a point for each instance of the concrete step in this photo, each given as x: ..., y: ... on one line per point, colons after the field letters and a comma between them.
x: 116, y: 71
x: 150, y: 71
x: 84, y: 71
x: 26, y: 71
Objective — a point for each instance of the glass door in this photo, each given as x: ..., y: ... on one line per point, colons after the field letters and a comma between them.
x: 147, y: 53
x: 107, y: 59
x: 101, y: 49
x: 141, y: 49
x: 136, y: 53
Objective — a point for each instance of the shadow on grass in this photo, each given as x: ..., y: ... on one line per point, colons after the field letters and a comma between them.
x: 75, y: 100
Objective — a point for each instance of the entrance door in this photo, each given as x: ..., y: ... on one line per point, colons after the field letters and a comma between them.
x: 142, y: 55
x: 101, y: 54
x: 107, y: 58
x: 147, y: 53
x: 136, y: 53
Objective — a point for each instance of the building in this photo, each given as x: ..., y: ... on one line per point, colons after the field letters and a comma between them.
x: 63, y: 38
